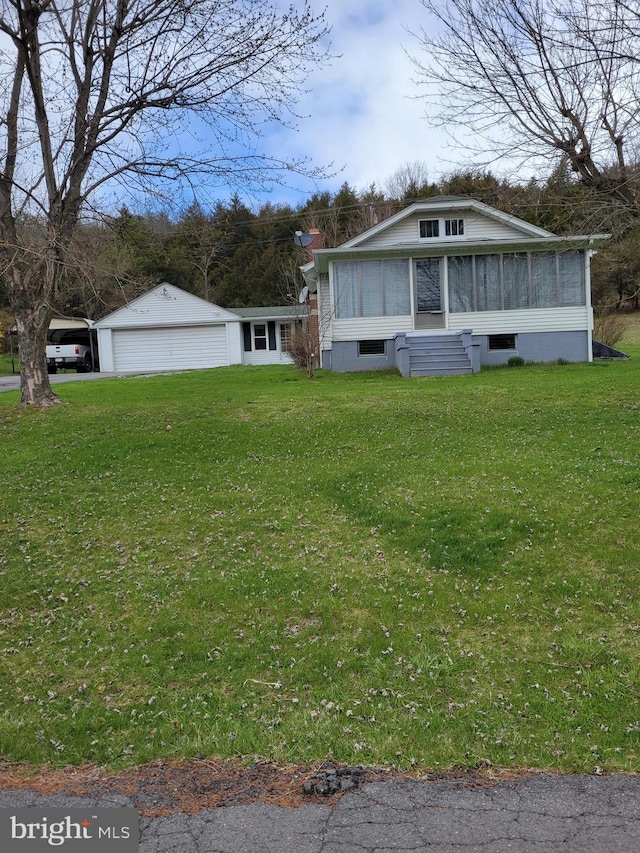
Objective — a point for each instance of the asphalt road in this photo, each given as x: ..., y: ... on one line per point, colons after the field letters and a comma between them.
x: 571, y: 814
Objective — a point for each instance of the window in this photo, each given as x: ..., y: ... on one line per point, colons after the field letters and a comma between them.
x: 571, y: 276
x: 461, y: 284
x: 544, y: 280
x: 502, y: 341
x: 429, y: 228
x: 371, y: 348
x: 516, y: 280
x: 259, y: 336
x: 371, y: 288
x: 488, y: 289
x: 454, y: 227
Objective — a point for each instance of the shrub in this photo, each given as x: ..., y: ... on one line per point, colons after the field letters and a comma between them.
x: 516, y: 361
x: 302, y: 348
x: 608, y: 326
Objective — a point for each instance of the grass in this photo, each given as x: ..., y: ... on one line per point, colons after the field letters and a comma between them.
x: 8, y: 365
x: 242, y: 562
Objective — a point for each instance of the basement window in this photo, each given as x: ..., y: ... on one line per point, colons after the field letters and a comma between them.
x: 502, y: 342
x: 371, y: 348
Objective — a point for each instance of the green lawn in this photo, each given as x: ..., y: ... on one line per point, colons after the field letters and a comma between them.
x: 8, y: 365
x: 242, y: 562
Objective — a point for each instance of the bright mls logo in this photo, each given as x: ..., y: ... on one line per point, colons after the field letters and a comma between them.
x: 105, y: 830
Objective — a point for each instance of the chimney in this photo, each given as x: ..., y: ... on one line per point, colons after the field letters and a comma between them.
x: 315, y: 244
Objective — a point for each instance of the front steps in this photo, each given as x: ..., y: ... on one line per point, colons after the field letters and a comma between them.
x: 438, y: 355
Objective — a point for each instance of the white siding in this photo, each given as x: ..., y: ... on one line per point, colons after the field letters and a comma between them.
x: 266, y: 357
x: 477, y: 228
x: 176, y: 348
x: 370, y: 328
x: 166, y: 306
x: 507, y: 322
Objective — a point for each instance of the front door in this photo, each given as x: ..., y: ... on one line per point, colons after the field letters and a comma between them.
x: 429, y: 314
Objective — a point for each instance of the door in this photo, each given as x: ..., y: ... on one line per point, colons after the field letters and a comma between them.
x: 177, y: 348
x: 429, y: 314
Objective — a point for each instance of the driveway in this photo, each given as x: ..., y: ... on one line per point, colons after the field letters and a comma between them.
x: 539, y: 814
x: 12, y: 383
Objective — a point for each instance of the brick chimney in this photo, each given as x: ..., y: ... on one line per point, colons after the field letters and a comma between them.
x: 315, y: 244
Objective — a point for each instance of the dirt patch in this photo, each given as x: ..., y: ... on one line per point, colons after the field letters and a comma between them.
x: 164, y: 787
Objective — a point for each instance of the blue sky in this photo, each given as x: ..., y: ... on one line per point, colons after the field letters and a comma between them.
x: 362, y: 114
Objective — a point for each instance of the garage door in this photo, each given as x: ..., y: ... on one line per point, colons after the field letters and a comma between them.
x: 175, y: 348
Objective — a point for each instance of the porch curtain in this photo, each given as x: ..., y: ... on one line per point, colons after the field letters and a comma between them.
x: 544, y: 280
x: 571, y: 275
x: 515, y: 270
x: 460, y: 271
x: 371, y: 288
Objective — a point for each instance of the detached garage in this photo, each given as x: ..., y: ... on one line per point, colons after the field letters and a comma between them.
x: 168, y: 329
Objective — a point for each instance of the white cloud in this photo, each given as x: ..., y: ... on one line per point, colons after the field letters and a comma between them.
x: 363, y: 113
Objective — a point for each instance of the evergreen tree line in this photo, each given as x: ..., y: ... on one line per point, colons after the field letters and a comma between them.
x: 236, y: 257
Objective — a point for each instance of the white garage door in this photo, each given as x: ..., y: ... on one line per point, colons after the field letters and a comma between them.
x: 175, y: 348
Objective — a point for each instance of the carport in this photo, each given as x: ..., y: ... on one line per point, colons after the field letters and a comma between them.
x: 60, y: 323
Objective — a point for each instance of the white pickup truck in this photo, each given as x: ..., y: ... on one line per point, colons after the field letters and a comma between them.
x: 69, y: 348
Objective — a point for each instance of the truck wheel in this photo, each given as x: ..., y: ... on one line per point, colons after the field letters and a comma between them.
x: 86, y: 366
x: 51, y: 368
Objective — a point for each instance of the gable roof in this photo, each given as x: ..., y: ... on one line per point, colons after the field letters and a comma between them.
x: 166, y: 305
x: 522, y: 237
x: 442, y: 204
x: 278, y: 312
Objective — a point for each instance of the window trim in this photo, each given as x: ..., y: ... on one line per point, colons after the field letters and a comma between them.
x: 442, y: 225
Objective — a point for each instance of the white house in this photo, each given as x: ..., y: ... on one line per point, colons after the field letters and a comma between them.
x: 449, y: 284
x: 170, y: 329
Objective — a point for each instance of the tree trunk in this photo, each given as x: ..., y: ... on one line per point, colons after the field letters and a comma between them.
x: 32, y: 323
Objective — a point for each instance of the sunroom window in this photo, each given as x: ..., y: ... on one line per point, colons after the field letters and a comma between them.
x: 515, y: 281
x: 371, y: 288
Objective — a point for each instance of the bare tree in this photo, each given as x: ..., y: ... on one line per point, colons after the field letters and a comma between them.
x: 203, y: 242
x: 303, y: 343
x: 97, y: 92
x: 408, y: 181
x: 533, y: 79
